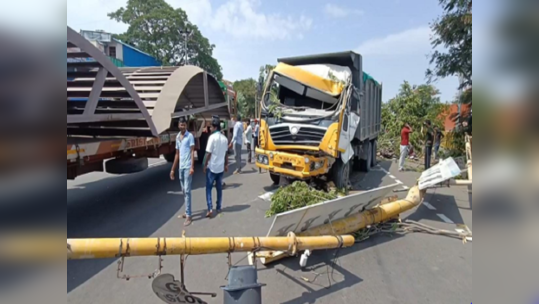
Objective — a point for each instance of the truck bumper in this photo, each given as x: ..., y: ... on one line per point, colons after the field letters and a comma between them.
x: 292, y: 165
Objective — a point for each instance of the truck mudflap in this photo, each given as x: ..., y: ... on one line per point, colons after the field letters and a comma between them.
x: 292, y: 165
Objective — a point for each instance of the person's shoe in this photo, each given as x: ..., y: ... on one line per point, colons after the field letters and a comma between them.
x: 219, y: 211
x: 237, y: 172
x: 188, y: 222
x: 209, y: 214
x: 183, y: 216
x: 401, y: 170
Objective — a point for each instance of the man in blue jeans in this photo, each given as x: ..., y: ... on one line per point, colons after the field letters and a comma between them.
x: 215, y: 164
x: 185, y: 155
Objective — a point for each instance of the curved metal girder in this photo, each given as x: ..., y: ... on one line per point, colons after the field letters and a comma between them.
x: 104, y: 82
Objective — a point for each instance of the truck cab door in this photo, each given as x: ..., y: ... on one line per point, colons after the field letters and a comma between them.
x: 348, y: 130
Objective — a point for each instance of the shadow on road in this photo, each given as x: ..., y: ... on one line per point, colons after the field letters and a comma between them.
x: 127, y: 206
x: 324, y: 273
x: 444, y: 204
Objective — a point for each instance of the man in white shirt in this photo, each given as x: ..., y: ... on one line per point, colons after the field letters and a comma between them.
x: 237, y: 142
x: 215, y: 164
x: 248, y: 138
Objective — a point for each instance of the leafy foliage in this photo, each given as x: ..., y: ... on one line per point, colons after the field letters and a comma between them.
x: 297, y: 195
x: 155, y: 28
x: 247, y: 99
x: 413, y: 105
x: 454, y: 32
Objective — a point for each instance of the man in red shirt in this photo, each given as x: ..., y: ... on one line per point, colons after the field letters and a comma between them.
x: 405, y: 142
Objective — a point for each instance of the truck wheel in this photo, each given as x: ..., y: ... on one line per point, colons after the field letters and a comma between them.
x: 374, y: 153
x: 170, y: 157
x: 275, y: 178
x: 340, y: 174
x: 366, y: 164
x: 126, y: 165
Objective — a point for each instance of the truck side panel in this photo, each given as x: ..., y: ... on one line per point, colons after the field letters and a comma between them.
x: 370, y: 104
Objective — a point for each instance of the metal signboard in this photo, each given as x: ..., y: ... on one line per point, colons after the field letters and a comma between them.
x: 443, y: 171
x: 300, y: 220
x: 171, y: 291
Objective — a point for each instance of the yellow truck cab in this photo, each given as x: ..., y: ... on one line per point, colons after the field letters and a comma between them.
x: 319, y: 117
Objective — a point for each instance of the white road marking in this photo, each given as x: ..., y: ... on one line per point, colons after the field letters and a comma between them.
x: 399, y: 182
x: 392, y: 176
x: 157, y: 164
x: 266, y: 196
x: 445, y: 218
x: 405, y: 187
x: 428, y: 205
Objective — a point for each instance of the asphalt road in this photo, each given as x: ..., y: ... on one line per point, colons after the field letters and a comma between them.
x: 415, y: 268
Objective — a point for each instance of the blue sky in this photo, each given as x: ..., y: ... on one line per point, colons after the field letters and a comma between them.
x: 392, y: 35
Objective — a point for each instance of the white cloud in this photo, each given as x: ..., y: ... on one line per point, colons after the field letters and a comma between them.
x: 336, y: 11
x: 412, y: 41
x: 92, y: 15
x: 243, y: 19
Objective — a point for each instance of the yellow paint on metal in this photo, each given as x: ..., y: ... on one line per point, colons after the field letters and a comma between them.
x: 330, y: 141
x: 111, y: 248
x: 301, y: 169
x: 309, y: 79
x: 383, y: 213
x: 376, y: 215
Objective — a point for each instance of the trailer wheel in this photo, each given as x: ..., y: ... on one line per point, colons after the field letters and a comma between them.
x: 340, y: 174
x: 170, y: 157
x: 275, y: 178
x: 126, y: 165
x: 365, y: 164
x: 374, y: 153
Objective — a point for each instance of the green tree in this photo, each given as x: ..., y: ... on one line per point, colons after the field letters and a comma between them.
x: 453, y: 31
x: 156, y: 28
x: 413, y: 105
x: 247, y: 89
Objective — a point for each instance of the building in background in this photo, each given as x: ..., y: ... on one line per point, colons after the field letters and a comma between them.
x: 120, y: 53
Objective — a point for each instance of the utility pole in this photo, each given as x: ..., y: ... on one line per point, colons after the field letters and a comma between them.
x: 186, y: 34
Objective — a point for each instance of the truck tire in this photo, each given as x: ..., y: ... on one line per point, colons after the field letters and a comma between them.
x: 365, y: 164
x: 340, y: 174
x: 126, y: 165
x: 374, y: 153
x: 275, y: 178
x: 170, y: 157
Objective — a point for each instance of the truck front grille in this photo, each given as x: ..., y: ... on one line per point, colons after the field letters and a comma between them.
x: 307, y: 135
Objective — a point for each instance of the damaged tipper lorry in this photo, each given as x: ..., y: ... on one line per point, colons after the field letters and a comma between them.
x: 320, y: 118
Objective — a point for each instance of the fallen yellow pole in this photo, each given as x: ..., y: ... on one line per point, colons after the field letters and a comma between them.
x: 354, y: 223
x: 111, y: 248
x: 376, y: 215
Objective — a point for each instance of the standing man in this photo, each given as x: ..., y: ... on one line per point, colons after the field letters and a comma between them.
x: 429, y: 140
x: 248, y: 138
x: 185, y: 155
x: 237, y: 142
x: 437, y: 141
x: 215, y: 164
x: 405, y: 143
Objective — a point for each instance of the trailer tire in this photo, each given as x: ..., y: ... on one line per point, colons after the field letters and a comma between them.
x: 340, y: 174
x: 170, y: 157
x: 374, y: 153
x: 365, y: 164
x: 275, y: 178
x: 126, y: 165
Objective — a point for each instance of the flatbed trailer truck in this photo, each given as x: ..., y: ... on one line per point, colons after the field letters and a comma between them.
x: 119, y: 117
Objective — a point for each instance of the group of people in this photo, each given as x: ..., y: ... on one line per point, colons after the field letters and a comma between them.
x: 433, y: 139
x: 215, y: 162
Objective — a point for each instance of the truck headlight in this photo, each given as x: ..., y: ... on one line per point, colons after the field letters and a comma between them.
x: 318, y: 165
x: 307, y: 160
